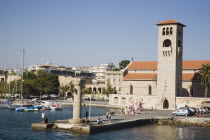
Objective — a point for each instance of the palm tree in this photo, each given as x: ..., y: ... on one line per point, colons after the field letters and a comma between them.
x: 72, y: 88
x: 204, y: 76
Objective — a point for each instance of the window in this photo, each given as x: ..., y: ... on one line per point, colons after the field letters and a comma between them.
x: 131, y: 89
x: 167, y: 31
x: 167, y: 43
x: 171, y: 30
x: 150, y: 90
x: 164, y: 31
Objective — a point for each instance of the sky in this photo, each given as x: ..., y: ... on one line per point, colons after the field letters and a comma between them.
x: 93, y: 32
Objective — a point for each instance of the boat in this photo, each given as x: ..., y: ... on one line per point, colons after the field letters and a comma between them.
x: 31, y: 109
x: 5, y: 104
x: 23, y: 107
x: 14, y: 106
x: 55, y: 107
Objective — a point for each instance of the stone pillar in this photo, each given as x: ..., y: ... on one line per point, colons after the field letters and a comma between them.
x: 77, y: 104
x: 77, y: 107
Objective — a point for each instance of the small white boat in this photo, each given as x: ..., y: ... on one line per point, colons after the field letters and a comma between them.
x: 55, y: 107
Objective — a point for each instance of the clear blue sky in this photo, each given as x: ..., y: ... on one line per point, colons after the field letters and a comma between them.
x: 92, y: 32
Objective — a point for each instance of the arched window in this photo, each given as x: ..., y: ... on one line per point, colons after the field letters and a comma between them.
x: 171, y: 30
x: 150, y: 90
x: 164, y: 31
x: 167, y: 31
x: 167, y: 43
x: 131, y: 89
x: 165, y: 104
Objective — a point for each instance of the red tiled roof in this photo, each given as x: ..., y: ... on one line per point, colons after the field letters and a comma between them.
x: 140, y: 76
x: 143, y: 65
x: 192, y: 64
x: 170, y: 21
x: 151, y: 76
x: 196, y: 64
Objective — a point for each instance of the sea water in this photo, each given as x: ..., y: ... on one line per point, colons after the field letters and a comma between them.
x: 17, y: 126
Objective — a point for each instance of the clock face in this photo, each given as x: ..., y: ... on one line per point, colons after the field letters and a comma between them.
x: 167, y: 43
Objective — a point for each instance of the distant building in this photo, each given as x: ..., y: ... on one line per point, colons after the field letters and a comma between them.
x: 99, y: 72
x: 60, y: 70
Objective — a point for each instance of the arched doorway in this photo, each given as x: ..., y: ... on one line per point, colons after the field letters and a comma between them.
x: 94, y: 90
x: 69, y: 95
x: 165, y: 104
x: 90, y: 89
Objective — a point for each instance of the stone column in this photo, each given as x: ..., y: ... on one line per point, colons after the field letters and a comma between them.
x: 77, y: 107
x: 77, y: 103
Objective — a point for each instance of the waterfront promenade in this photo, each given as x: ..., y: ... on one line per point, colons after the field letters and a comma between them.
x: 120, y: 121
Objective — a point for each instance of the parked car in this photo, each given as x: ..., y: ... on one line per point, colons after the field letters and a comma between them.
x: 53, y: 96
x: 181, y: 112
x: 207, y: 109
x: 192, y: 111
x: 85, y: 98
x: 45, y: 96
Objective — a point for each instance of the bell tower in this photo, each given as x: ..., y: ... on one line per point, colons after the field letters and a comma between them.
x: 169, y: 75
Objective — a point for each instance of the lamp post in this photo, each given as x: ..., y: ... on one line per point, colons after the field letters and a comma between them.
x: 40, y: 96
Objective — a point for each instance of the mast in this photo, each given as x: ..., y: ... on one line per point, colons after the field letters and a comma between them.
x: 22, y: 76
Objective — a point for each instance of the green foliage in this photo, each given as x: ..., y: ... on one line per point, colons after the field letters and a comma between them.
x: 109, y: 90
x: 204, y: 76
x: 4, y: 87
x: 64, y: 88
x: 72, y: 88
x: 86, y: 91
x: 123, y: 63
x: 33, y: 84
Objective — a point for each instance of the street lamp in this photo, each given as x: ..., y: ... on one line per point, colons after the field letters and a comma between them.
x: 40, y: 96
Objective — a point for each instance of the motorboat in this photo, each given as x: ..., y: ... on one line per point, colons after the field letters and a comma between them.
x: 23, y: 107
x: 55, y: 107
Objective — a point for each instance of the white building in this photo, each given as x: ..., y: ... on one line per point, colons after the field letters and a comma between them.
x: 99, y: 72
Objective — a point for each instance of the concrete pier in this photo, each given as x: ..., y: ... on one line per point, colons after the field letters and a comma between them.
x: 121, y: 121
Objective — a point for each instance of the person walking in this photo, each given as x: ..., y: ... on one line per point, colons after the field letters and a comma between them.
x: 107, y: 115
x: 43, y: 116
x: 86, y: 115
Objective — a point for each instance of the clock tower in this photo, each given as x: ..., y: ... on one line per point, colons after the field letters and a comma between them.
x: 169, y: 75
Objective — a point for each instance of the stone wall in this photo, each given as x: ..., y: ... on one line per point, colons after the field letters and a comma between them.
x: 127, y: 100
x: 191, y: 101
x: 139, y: 87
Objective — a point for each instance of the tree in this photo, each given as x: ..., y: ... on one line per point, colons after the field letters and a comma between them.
x: 72, y: 88
x: 204, y: 76
x: 86, y: 91
x: 109, y: 90
x: 123, y: 63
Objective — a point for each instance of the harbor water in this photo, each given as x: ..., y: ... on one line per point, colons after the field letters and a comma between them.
x: 17, y: 126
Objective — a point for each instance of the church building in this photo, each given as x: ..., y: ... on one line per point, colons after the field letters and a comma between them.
x: 167, y: 83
